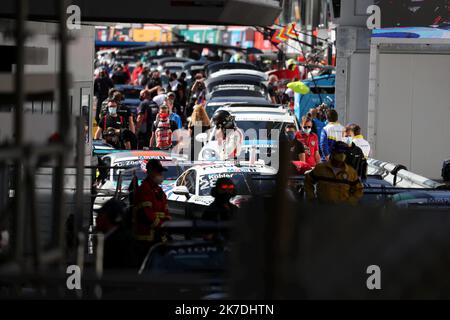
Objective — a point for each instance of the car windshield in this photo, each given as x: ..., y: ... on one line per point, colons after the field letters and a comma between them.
x: 244, y: 183
x: 172, y: 173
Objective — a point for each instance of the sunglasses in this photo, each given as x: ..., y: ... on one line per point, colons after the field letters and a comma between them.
x: 226, y: 187
x: 307, y: 127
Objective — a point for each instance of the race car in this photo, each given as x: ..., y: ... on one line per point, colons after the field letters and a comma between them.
x: 121, y: 167
x: 256, y: 124
x: 193, y: 188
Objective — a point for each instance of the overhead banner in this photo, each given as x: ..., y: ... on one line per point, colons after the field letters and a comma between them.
x: 414, y: 13
x: 424, y: 19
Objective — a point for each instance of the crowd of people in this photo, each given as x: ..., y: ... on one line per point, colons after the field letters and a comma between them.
x: 167, y: 105
x: 333, y: 157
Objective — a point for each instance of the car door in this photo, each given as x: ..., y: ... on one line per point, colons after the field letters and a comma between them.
x: 177, y: 203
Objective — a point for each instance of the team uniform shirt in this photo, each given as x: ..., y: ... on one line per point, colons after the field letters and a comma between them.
x: 331, y: 133
x: 311, y: 144
x: 150, y: 210
x: 109, y: 121
x: 363, y: 144
x: 331, y: 185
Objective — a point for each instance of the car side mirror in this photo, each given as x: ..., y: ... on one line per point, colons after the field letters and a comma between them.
x: 202, y: 137
x: 181, y: 191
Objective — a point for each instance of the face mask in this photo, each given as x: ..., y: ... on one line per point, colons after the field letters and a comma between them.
x: 307, y: 131
x: 348, y: 140
x: 339, y: 157
x: 291, y: 135
x: 112, y: 111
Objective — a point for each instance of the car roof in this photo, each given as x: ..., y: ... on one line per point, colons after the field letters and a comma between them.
x: 220, y: 100
x: 215, y: 66
x: 278, y: 114
x: 231, y: 167
x: 235, y: 79
x: 125, y: 155
x: 225, y: 72
x: 127, y: 86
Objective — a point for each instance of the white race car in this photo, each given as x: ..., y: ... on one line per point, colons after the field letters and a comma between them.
x: 126, y: 165
x: 256, y: 124
x: 193, y: 187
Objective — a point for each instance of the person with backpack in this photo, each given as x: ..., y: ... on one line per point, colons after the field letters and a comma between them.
x: 117, y: 123
x: 147, y: 112
x: 163, y: 129
x: 355, y: 156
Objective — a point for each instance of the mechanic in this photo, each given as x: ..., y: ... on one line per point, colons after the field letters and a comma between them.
x: 296, y: 148
x: 221, y: 209
x: 310, y: 141
x: 229, y: 137
x: 334, y: 182
x: 150, y: 209
x: 113, y: 120
x: 331, y: 134
x: 119, y: 244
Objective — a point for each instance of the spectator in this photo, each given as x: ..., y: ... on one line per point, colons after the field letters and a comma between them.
x: 354, y: 155
x: 169, y: 101
x: 155, y: 81
x: 331, y: 133
x: 102, y: 86
x: 126, y: 69
x: 144, y: 77
x: 147, y: 112
x: 163, y: 129
x: 354, y: 132
x: 272, y: 88
x: 136, y: 73
x: 196, y: 93
x: 115, y: 122
x: 119, y: 76
x: 310, y: 141
x: 296, y: 148
x: 320, y: 119
x: 199, y: 123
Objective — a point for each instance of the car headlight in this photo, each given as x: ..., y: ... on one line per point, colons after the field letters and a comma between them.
x: 209, y: 154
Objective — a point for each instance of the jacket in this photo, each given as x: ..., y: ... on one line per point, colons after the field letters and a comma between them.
x: 342, y: 187
x: 331, y: 133
x: 150, y: 211
x: 363, y: 144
